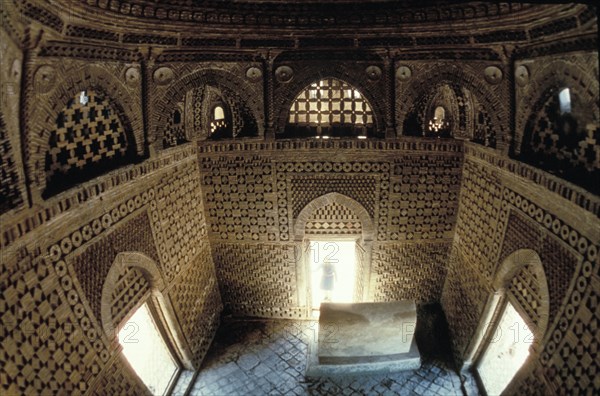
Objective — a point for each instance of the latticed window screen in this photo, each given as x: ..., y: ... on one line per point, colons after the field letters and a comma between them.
x: 330, y: 102
x: 88, y: 138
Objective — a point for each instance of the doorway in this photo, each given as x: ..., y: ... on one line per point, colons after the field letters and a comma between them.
x: 506, y: 351
x: 332, y: 271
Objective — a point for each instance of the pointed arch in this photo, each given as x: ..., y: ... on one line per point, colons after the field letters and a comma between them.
x: 428, y: 81
x: 124, y: 261
x: 527, y: 260
x: 368, y: 228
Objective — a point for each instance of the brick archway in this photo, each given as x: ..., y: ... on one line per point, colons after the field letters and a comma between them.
x: 368, y: 229
x: 240, y: 90
x: 452, y: 75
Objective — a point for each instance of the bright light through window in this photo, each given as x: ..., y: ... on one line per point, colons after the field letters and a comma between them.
x: 146, y: 351
x: 219, y: 113
x: 333, y: 271
x: 506, y: 352
x: 564, y: 98
x: 83, y: 98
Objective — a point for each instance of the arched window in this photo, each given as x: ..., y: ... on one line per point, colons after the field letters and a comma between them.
x: 218, y: 113
x: 440, y: 113
x: 220, y: 125
x: 142, y: 320
x: 438, y: 125
x: 513, y: 324
x: 176, y: 117
x: 564, y: 100
x: 88, y: 139
x: 330, y: 108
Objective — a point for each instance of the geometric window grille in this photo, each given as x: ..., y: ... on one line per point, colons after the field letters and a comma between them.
x: 89, y: 139
x: 329, y: 104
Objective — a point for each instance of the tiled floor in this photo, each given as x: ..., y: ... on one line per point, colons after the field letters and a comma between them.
x: 268, y: 357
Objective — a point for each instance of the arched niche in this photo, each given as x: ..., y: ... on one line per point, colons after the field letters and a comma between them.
x: 68, y: 83
x: 520, y: 280
x: 155, y: 293
x: 477, y: 113
x: 363, y: 237
x: 286, y: 93
x: 198, y: 92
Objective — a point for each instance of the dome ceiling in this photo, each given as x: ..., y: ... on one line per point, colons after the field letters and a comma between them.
x: 343, y: 24
x: 307, y: 14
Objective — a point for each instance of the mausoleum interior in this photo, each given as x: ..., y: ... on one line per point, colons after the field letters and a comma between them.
x: 332, y: 197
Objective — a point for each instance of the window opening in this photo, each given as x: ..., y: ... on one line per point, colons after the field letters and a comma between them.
x: 219, y: 114
x: 147, y: 352
x: 83, y: 98
x: 564, y: 98
x: 439, y: 123
x: 219, y: 123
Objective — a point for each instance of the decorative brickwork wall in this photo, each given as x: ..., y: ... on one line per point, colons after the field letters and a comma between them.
x: 334, y: 219
x: 12, y: 183
x: 397, y: 268
x: 564, y: 233
x: 53, y: 276
x: 407, y: 189
x: 218, y: 220
x: 93, y: 261
x: 10, y: 196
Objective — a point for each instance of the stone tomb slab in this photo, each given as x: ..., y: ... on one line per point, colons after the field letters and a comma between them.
x: 364, y: 338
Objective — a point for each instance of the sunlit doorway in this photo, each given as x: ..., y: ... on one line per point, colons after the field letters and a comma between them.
x: 332, y: 271
x: 506, y: 351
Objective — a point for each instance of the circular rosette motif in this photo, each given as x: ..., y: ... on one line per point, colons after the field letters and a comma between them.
x: 254, y: 74
x: 284, y: 74
x: 493, y: 74
x: 44, y: 79
x: 132, y: 75
x: 163, y: 75
x: 373, y: 73
x: 522, y: 75
x: 403, y: 73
